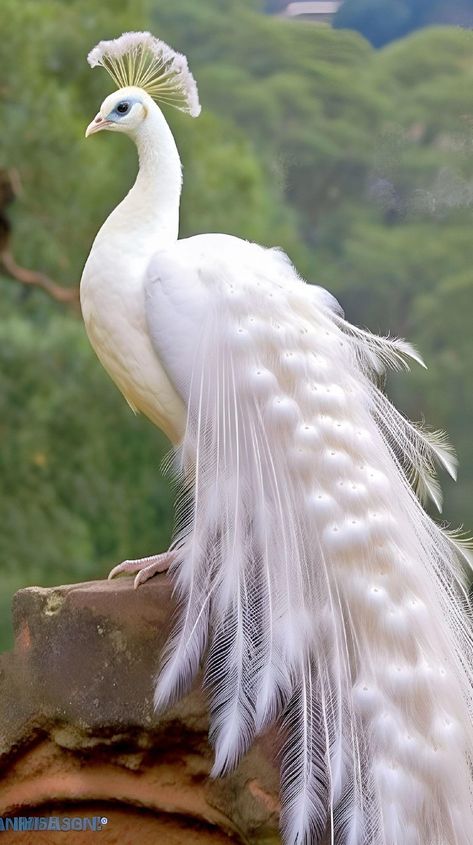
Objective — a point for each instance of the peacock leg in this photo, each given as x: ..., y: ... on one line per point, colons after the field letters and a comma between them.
x: 146, y: 567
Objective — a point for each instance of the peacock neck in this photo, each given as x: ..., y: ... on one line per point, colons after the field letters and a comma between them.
x: 148, y: 217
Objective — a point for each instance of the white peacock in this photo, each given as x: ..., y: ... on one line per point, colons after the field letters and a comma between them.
x: 314, y: 588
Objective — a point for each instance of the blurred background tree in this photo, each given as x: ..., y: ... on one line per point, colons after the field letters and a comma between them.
x: 358, y: 162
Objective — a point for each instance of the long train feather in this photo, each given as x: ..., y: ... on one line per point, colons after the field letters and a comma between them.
x: 313, y: 585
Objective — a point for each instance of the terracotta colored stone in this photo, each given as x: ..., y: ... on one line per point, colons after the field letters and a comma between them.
x: 78, y: 729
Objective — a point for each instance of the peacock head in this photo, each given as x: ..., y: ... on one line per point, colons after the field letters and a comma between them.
x: 144, y: 69
x: 123, y: 111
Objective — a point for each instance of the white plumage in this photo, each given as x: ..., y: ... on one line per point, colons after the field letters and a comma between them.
x: 313, y: 586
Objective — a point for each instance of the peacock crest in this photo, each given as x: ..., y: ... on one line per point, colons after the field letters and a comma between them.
x: 141, y: 60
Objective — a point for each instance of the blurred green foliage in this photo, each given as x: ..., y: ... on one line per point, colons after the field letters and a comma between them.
x: 357, y: 162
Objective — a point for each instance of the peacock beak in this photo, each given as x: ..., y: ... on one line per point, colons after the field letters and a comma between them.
x: 96, y: 125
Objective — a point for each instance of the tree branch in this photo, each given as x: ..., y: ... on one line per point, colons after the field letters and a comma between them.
x: 10, y: 187
x: 37, y: 279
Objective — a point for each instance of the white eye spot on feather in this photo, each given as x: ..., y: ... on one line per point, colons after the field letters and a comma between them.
x: 377, y: 481
x: 367, y: 699
x: 381, y: 524
x: 352, y: 495
x: 331, y: 398
x: 307, y: 435
x: 362, y: 435
x: 282, y: 412
x: 369, y: 594
x: 294, y: 362
x: 396, y: 622
x: 401, y: 678
x: 337, y: 462
x: 263, y: 382
x: 446, y: 732
x: 347, y: 536
x: 386, y: 729
x: 300, y: 462
x: 259, y: 329
x: 322, y: 506
x: 406, y: 681
x: 239, y: 338
x: 415, y: 610
x: 326, y: 425
x: 341, y: 433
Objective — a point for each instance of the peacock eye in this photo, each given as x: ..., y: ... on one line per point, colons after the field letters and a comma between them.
x: 122, y: 108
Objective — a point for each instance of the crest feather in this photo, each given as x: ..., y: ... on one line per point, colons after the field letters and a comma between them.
x: 141, y: 60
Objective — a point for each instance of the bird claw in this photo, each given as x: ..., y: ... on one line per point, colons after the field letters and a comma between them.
x: 145, y: 567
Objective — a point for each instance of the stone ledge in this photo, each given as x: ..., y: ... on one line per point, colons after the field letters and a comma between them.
x: 78, y: 730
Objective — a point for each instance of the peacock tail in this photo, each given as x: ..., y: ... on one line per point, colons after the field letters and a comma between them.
x: 312, y: 585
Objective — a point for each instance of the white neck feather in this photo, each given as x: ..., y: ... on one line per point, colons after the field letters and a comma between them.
x: 148, y: 217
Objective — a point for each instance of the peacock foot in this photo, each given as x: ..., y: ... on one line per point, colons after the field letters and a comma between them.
x: 146, y: 567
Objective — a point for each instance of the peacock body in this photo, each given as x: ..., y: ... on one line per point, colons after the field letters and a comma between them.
x: 313, y: 587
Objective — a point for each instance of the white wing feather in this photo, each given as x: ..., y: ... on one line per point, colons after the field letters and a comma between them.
x: 313, y: 586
